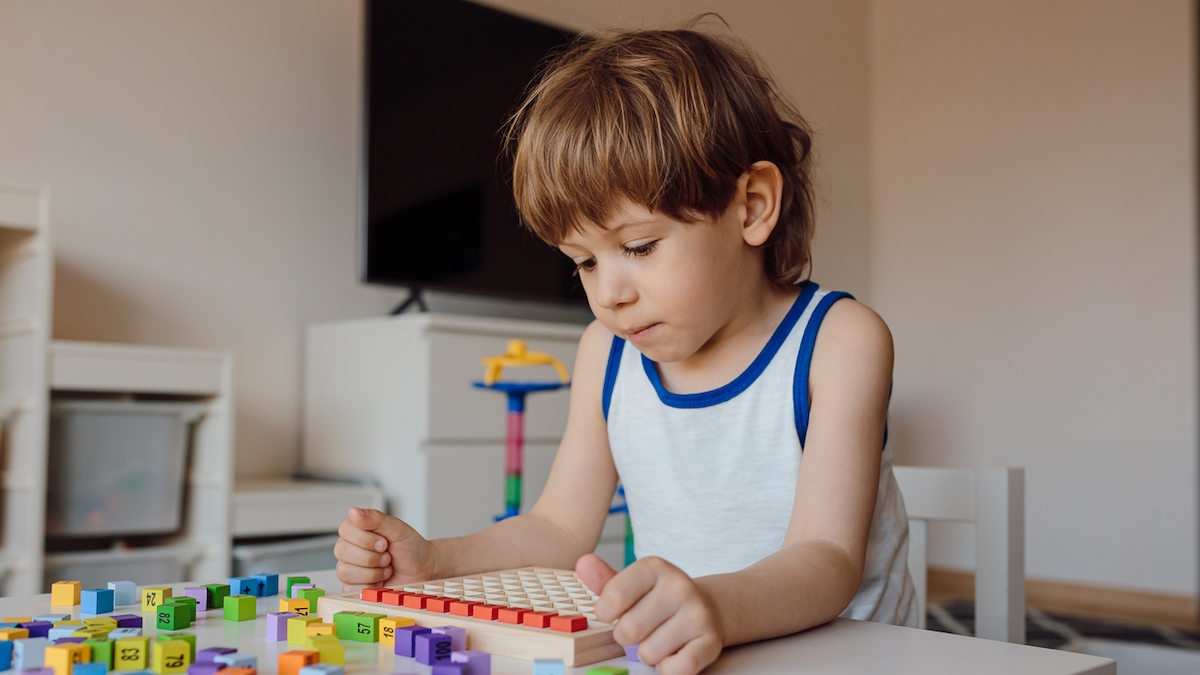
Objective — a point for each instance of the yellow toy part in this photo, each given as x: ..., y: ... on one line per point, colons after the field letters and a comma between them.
x: 518, y: 355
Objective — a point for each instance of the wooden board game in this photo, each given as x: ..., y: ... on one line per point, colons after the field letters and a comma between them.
x: 526, y: 613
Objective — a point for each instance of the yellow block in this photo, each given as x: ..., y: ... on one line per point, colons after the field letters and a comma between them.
x: 69, y: 622
x: 62, y: 658
x: 13, y: 633
x: 296, y: 605
x: 132, y: 653
x: 65, y: 593
x: 100, y: 621
x: 16, y: 619
x: 298, y: 628
x: 388, y: 626
x: 153, y: 596
x: 92, y: 632
x: 171, y: 656
x: 329, y: 649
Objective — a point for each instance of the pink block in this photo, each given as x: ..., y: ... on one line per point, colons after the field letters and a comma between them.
x: 277, y: 625
x: 201, y: 596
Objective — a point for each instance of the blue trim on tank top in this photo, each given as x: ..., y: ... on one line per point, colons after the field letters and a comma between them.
x: 748, y: 376
x: 800, y: 401
x: 610, y: 372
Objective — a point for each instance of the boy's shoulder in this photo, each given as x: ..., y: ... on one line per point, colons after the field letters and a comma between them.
x: 853, y: 337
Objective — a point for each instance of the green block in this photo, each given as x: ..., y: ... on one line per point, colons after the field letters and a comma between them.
x: 171, y: 617
x: 240, y: 608
x: 216, y: 595
x: 312, y: 595
x: 292, y: 581
x: 102, y: 651
x: 189, y: 638
x: 607, y: 670
x: 190, y: 603
x: 357, y: 626
x: 512, y: 490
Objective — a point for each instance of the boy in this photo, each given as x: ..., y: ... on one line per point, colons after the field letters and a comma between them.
x: 668, y: 168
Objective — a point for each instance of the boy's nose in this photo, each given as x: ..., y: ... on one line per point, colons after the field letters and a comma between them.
x: 613, y: 290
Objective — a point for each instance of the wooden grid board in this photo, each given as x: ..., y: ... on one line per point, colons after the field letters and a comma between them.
x: 538, y: 589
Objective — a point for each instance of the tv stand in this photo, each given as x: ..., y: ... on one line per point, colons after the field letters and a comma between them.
x: 414, y: 298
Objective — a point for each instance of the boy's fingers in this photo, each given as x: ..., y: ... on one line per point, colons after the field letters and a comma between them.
x: 623, y: 591
x: 691, y: 658
x: 352, y: 574
x: 358, y: 556
x: 366, y: 540
x: 594, y: 572
x: 389, y: 527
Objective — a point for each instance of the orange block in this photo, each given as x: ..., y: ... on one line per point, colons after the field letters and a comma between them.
x: 438, y: 604
x: 392, y: 597
x: 415, y: 601
x: 373, y: 594
x: 239, y: 671
x: 568, y: 624
x: 463, y: 607
x: 291, y: 662
x: 538, y: 619
x: 512, y: 615
x: 489, y: 612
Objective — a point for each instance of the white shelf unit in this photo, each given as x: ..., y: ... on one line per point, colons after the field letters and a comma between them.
x: 26, y: 295
x: 103, y: 369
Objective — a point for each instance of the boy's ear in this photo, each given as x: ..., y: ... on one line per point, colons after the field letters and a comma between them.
x: 762, y: 189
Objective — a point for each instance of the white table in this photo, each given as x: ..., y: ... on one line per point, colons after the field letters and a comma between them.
x: 843, y: 647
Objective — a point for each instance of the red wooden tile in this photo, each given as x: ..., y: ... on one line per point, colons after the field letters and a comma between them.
x: 374, y: 594
x: 489, y: 612
x: 538, y: 619
x: 438, y: 604
x: 512, y: 615
x: 415, y: 601
x: 392, y: 597
x: 568, y: 624
x: 463, y: 607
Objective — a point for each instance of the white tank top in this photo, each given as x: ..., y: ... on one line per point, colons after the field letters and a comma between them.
x: 710, y: 478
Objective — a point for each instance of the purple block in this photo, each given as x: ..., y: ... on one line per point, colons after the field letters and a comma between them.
x: 207, y: 655
x: 432, y: 648
x: 37, y: 628
x: 208, y: 668
x: 473, y: 662
x: 458, y: 636
x: 201, y: 596
x: 128, y: 621
x: 448, y: 669
x: 296, y: 588
x: 277, y: 625
x: 37, y: 671
x: 73, y: 640
x: 631, y: 653
x: 406, y: 640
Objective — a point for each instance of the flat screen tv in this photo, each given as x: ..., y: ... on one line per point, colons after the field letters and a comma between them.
x: 436, y: 210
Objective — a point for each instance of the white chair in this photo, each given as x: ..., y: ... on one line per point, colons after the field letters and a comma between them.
x: 994, y: 500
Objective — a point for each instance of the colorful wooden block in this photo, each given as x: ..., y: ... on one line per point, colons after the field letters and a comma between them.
x: 90, y: 668
x: 38, y: 671
x: 474, y: 662
x: 186, y: 601
x: 269, y: 584
x: 312, y: 595
x: 69, y: 641
x: 240, y: 608
x: 189, y: 638
x: 238, y: 671
x: 631, y: 653
x: 172, y: 616
x: 204, y: 668
x: 322, y: 669
x: 406, y: 643
x: 170, y: 656
x: 319, y: 628
x: 568, y: 623
x: 128, y: 620
x: 463, y: 607
x: 415, y: 601
x: 291, y: 662
x: 486, y: 612
x: 374, y: 594
x: 294, y: 605
x: 200, y: 595
x: 29, y: 653
x: 277, y: 625
x: 102, y: 621
x: 207, y: 655
x: 118, y: 633
x: 65, y: 593
x: 62, y: 658
x: 297, y: 628
x: 216, y: 595
x: 548, y: 667
x: 438, y: 605
x: 13, y: 633
x: 153, y: 596
x: 329, y: 649
x: 102, y: 651
x: 297, y: 587
x: 19, y: 619
x: 92, y: 632
x: 132, y: 653
x: 60, y: 632
x: 97, y: 600
x: 391, y: 597
x: 52, y: 618
x: 124, y: 592
x: 37, y: 628
x: 388, y: 626
x: 458, y: 636
x: 237, y: 660
x: 607, y: 670
x: 430, y: 648
x: 446, y: 669
x: 242, y: 586
x: 292, y: 581
x: 511, y: 615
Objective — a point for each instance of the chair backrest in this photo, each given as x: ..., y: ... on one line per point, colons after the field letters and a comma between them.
x: 994, y: 500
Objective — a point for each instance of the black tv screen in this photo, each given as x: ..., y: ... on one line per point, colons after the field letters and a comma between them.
x: 442, y: 76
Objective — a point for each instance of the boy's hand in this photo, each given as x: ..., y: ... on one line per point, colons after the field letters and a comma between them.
x: 377, y: 549
x: 661, y: 608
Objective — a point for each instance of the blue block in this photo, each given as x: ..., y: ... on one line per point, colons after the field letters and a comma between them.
x: 405, y: 640
x: 242, y: 586
x: 125, y: 591
x: 432, y: 648
x: 97, y: 600
x: 548, y: 667
x: 322, y: 669
x: 94, y: 668
x: 236, y: 660
x: 30, y: 653
x: 270, y: 584
x: 6, y: 654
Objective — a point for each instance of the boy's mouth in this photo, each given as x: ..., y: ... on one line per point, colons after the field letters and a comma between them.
x: 640, y: 334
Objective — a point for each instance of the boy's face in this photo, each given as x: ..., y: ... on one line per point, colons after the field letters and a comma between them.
x: 666, y: 286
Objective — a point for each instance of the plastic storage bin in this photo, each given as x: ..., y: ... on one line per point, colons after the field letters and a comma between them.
x: 117, y: 467
x: 143, y: 566
x: 295, y: 555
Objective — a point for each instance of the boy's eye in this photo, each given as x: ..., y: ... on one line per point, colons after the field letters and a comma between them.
x: 585, y: 266
x: 641, y: 250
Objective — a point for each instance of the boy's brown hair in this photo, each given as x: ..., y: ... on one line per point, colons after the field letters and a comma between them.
x: 668, y: 119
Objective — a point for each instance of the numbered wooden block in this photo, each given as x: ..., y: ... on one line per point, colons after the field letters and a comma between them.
x: 204, y: 669
x: 37, y: 628
x: 318, y: 628
x: 188, y: 602
x: 237, y: 660
x: 312, y: 595
x: 207, y: 655
x: 200, y: 595
x: 97, y: 600
x: 29, y: 653
x: 100, y: 622
x: 357, y: 626
x: 128, y: 621
x: 189, y: 638
x: 153, y: 596
x: 124, y: 592
x: 102, y: 651
x: 171, y: 617
x: 132, y: 653
x: 297, y: 628
x: 216, y: 595
x: 448, y: 668
x: 291, y: 662
x: 322, y: 669
x: 294, y: 605
x: 118, y: 633
x: 242, y: 586
x: 329, y: 649
x: 268, y: 584
x: 474, y: 662
x: 62, y: 658
x: 170, y: 656
x: 240, y: 608
x: 296, y: 588
x: 406, y: 640
x: 9, y: 634
x: 292, y: 581
x: 63, y: 631
x: 91, y: 633
x: 277, y: 625
x: 388, y: 626
x: 52, y: 618
x: 458, y: 636
x: 90, y: 668
x: 430, y: 648
x: 65, y: 593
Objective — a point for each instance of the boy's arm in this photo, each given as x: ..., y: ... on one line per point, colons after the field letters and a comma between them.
x: 564, y: 524
x: 681, y: 623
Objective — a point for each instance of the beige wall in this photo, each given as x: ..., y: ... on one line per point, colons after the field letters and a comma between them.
x: 1033, y: 248
x: 203, y: 157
